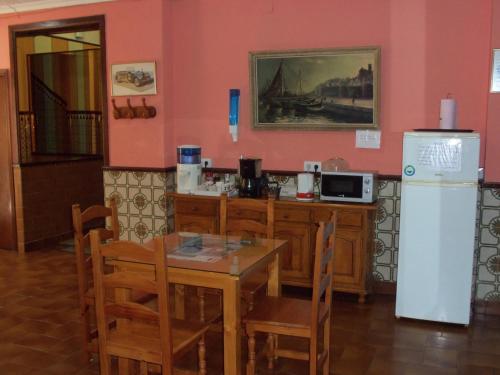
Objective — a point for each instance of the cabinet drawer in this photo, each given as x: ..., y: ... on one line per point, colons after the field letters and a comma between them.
x: 350, y: 218
x: 196, y: 207
x: 291, y: 214
x: 345, y: 218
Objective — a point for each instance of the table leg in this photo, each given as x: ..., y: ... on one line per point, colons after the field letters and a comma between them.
x: 274, y: 282
x: 232, y: 323
x: 179, y: 301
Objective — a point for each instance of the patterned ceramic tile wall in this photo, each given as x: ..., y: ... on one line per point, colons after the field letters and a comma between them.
x: 488, y: 264
x: 143, y: 210
x: 385, y: 258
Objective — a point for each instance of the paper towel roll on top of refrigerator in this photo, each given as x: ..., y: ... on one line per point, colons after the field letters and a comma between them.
x: 448, y: 114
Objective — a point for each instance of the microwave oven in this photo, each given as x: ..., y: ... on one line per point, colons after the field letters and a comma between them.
x: 349, y: 186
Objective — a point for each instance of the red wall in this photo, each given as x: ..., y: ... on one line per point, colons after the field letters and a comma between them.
x: 135, y: 31
x: 429, y: 48
x: 493, y: 125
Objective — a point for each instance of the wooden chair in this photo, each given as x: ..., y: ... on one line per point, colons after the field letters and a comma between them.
x: 248, y: 218
x: 300, y: 318
x: 141, y: 333
x: 84, y: 264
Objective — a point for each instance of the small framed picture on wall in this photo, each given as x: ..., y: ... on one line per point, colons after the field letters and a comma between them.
x: 137, y: 78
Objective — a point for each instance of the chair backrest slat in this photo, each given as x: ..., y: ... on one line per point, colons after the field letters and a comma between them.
x: 128, y: 250
x: 325, y: 283
x: 132, y: 311
x: 326, y: 258
x: 130, y: 280
x: 258, y: 223
x: 96, y: 212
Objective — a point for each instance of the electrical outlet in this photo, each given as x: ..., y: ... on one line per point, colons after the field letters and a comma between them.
x: 309, y: 166
x: 206, y: 163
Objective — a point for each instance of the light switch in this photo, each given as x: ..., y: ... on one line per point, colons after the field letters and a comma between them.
x: 367, y: 138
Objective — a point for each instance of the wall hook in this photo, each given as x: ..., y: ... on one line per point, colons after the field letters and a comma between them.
x: 130, y: 112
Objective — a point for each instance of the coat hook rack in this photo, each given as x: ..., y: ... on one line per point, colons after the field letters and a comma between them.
x: 130, y: 112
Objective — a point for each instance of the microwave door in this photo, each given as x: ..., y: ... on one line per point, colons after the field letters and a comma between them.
x: 342, y: 186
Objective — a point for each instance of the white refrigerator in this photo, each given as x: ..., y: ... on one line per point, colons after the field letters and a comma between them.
x: 437, y: 226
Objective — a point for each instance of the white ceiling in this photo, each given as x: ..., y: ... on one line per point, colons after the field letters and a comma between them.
x: 17, y: 6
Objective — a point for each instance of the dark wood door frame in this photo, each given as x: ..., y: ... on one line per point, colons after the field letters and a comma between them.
x: 8, y: 235
x: 59, y: 26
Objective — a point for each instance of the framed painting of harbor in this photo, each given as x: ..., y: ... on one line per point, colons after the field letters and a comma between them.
x: 322, y: 89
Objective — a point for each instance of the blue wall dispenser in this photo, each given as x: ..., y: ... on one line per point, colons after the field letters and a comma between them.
x: 234, y: 109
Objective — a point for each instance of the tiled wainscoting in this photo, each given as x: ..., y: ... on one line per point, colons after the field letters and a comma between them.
x: 144, y: 212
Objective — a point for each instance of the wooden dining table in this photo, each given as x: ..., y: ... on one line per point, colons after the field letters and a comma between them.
x: 222, y: 262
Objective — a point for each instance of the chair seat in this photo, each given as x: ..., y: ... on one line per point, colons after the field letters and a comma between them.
x: 146, y: 346
x: 284, y: 312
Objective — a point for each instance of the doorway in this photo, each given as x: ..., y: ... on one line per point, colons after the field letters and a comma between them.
x: 60, y: 127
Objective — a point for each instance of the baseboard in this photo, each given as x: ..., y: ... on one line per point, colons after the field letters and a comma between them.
x: 384, y: 287
x: 48, y: 242
x: 487, y: 307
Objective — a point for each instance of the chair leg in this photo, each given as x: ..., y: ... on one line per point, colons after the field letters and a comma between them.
x: 251, y: 352
x: 270, y: 351
x: 326, y: 346
x: 201, y: 357
x: 86, y: 332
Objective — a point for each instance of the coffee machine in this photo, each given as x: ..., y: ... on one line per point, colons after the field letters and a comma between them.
x: 250, y: 177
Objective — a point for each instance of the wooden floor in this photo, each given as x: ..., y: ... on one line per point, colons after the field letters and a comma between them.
x: 39, y: 331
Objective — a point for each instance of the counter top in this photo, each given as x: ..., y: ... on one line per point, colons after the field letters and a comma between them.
x: 291, y: 201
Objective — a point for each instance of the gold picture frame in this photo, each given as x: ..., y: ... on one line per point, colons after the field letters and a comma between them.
x: 315, y: 89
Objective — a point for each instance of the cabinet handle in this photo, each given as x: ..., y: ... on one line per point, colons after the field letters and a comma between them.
x: 285, y: 216
x: 194, y: 209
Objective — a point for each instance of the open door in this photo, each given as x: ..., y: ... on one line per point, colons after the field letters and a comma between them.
x: 8, y: 239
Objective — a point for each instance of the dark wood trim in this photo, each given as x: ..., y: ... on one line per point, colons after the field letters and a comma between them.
x: 8, y: 228
x: 68, y: 51
x: 487, y: 307
x: 65, y: 160
x: 220, y: 170
x: 274, y: 172
x: 61, y: 26
x: 384, y: 287
x: 139, y: 169
x: 73, y: 40
x: 104, y: 80
x: 491, y: 185
x: 389, y: 177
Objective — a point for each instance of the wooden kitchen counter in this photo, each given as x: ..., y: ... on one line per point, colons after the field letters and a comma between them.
x: 296, y: 222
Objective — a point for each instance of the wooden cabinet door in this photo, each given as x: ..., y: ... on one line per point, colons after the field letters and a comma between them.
x: 296, y: 266
x: 194, y: 223
x: 348, y: 258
